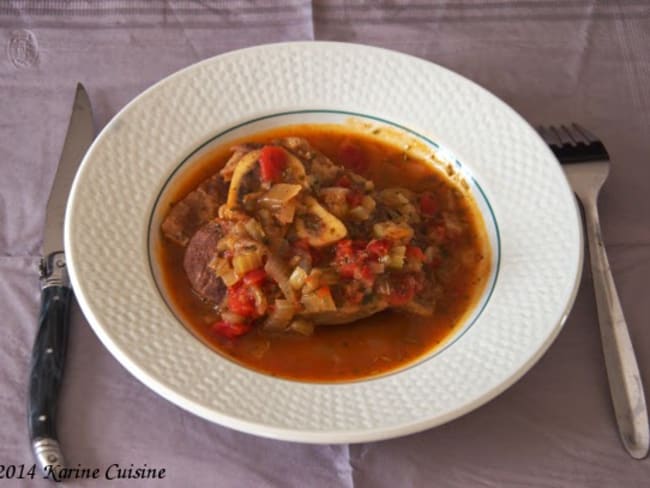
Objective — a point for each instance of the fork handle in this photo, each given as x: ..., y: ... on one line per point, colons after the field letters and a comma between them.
x: 623, y: 374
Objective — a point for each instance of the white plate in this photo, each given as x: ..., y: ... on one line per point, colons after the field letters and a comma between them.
x: 533, y: 223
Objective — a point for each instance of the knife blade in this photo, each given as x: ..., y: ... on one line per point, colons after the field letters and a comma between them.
x: 48, y: 353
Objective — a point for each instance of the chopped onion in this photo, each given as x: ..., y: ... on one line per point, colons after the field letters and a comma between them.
x: 261, y: 304
x: 232, y: 317
x: 279, y: 194
x: 368, y: 203
x: 280, y: 317
x: 312, y: 281
x: 396, y: 259
x: 219, y: 265
x: 359, y: 213
x: 396, y: 196
x: 383, y: 286
x: 229, y: 278
x: 286, y: 212
x: 297, y: 278
x: 329, y: 276
x: 302, y: 326
x: 254, y: 229
x: 319, y: 301
x: 246, y: 261
x: 393, y: 231
x: 419, y: 309
x: 223, y: 270
x: 453, y: 226
x: 276, y: 269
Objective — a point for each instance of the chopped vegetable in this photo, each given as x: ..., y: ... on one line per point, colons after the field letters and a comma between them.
x: 230, y: 329
x: 279, y: 194
x: 414, y: 252
x: 354, y: 198
x: 255, y: 277
x: 319, y: 301
x: 312, y: 281
x: 241, y: 300
x: 378, y: 248
x: 273, y: 160
x: 396, y: 258
x: 280, y: 316
x: 302, y: 326
x: 254, y: 229
x: 393, y: 231
x: 297, y: 278
x: 428, y: 205
x: 402, y: 290
x: 232, y: 317
x: 359, y: 213
x: 247, y: 260
x: 277, y: 270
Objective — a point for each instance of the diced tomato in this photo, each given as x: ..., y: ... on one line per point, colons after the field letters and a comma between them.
x: 273, y: 160
x: 354, y: 198
x: 378, y: 248
x: 352, y: 156
x: 344, y: 181
x: 347, y: 250
x: 255, y: 277
x: 230, y: 329
x: 324, y: 292
x: 414, y: 252
x: 402, y: 290
x: 364, y: 274
x: 344, y: 248
x: 240, y: 300
x: 352, y: 259
x: 439, y: 232
x: 428, y: 205
x: 347, y: 270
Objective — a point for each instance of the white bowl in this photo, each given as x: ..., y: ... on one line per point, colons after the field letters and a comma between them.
x: 528, y: 208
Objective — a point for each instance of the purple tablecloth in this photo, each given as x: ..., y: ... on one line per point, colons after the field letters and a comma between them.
x: 553, y: 61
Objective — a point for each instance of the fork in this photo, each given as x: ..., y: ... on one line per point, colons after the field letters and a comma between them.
x: 586, y: 166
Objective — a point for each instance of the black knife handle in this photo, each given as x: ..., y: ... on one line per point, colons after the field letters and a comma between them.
x: 48, y: 358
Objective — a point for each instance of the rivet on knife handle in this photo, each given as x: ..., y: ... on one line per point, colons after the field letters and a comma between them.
x: 47, y: 362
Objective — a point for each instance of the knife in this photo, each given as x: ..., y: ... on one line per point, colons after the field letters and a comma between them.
x: 48, y: 354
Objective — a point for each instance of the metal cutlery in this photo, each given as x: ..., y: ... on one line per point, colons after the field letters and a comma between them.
x: 586, y: 164
x: 48, y: 354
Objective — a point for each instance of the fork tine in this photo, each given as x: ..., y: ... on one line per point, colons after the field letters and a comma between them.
x: 565, y: 129
x: 584, y: 133
x: 559, y: 136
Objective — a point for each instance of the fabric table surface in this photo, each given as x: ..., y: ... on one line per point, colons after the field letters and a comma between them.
x: 552, y: 61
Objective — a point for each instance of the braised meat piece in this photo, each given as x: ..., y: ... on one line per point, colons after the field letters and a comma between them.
x: 198, y: 255
x: 196, y: 209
